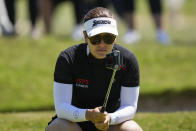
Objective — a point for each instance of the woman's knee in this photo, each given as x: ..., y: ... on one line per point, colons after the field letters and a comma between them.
x: 131, y: 126
x: 126, y: 126
x: 61, y: 125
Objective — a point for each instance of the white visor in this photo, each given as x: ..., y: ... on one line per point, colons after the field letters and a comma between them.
x: 100, y: 25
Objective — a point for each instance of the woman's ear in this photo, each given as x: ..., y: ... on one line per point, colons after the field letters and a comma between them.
x: 85, y: 37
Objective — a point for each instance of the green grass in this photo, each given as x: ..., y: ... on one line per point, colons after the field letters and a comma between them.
x: 37, y: 121
x: 176, y: 121
x: 30, y: 121
x: 26, y: 68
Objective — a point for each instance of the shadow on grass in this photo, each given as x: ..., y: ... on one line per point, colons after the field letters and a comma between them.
x: 169, y: 100
x: 43, y: 108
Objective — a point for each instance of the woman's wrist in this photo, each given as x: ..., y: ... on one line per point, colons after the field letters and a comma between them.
x: 88, y: 114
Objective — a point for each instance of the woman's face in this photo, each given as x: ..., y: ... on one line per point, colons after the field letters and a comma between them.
x: 100, y: 48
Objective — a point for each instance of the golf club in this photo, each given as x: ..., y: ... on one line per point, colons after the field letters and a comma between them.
x: 115, y: 55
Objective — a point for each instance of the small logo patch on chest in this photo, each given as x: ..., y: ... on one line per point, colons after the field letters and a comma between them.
x: 83, y: 83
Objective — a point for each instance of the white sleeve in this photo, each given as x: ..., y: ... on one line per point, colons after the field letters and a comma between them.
x: 63, y: 107
x: 128, y: 105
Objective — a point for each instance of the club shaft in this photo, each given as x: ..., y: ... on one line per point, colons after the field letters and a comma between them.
x: 108, y: 91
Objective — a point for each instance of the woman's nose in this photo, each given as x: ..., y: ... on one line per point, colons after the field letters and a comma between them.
x: 102, y: 42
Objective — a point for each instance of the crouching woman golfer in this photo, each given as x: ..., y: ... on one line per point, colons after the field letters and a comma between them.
x: 81, y: 80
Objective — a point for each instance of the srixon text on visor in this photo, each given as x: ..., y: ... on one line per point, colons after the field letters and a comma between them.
x: 96, y: 22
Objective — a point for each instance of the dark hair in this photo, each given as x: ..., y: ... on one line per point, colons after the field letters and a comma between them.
x: 98, y: 12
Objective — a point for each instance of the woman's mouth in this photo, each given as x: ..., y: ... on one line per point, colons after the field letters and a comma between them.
x: 101, y: 50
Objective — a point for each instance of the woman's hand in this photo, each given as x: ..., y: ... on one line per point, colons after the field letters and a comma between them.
x: 103, y: 126
x: 101, y: 120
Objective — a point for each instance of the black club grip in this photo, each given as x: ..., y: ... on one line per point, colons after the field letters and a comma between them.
x: 102, y: 109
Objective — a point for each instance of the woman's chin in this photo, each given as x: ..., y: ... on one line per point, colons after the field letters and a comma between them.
x: 100, y: 56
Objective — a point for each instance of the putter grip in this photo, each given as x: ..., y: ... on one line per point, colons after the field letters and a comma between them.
x: 102, y: 109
